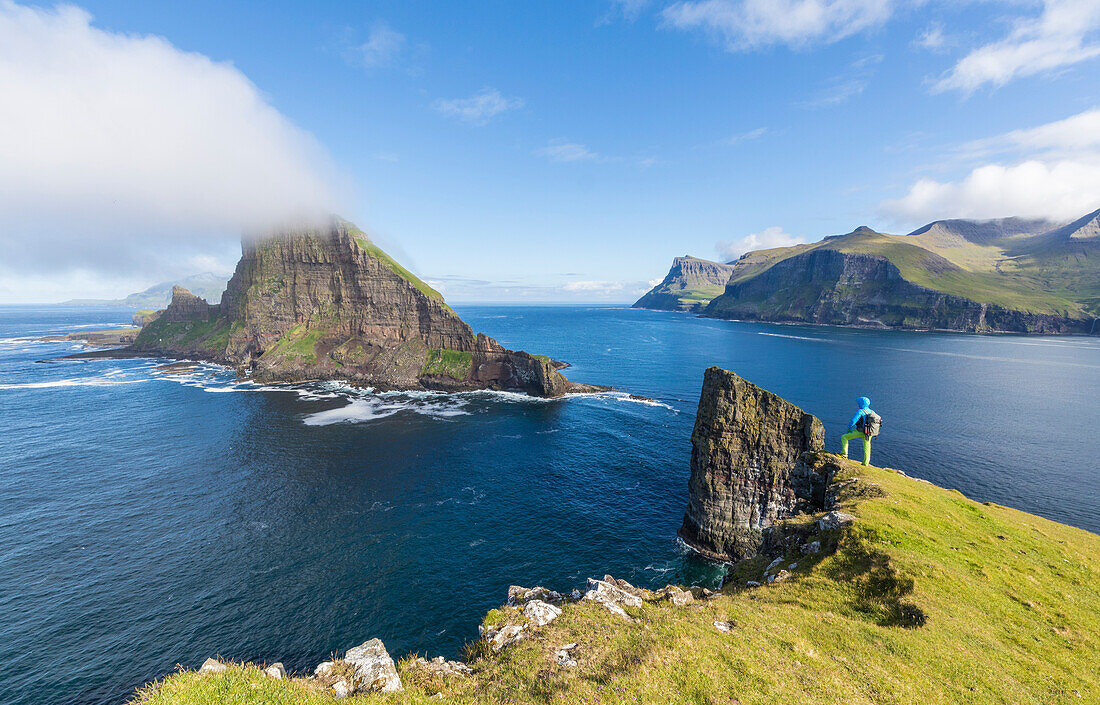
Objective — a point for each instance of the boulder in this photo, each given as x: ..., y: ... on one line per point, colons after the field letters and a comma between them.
x: 212, y: 666
x: 754, y: 461
x: 607, y: 592
x: 374, y: 669
x: 275, y: 671
x: 811, y: 547
x: 505, y: 636
x: 443, y: 667
x: 518, y: 596
x: 324, y: 668
x: 541, y: 613
x: 563, y: 656
x: 723, y: 626
x: 834, y: 520
x: 341, y: 689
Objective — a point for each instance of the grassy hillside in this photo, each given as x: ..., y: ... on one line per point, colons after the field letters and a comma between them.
x: 691, y: 283
x: 985, y: 273
x: 928, y: 597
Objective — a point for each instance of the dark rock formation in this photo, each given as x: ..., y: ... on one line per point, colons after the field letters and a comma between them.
x: 326, y: 303
x: 753, y: 462
x: 841, y: 288
x: 690, y: 284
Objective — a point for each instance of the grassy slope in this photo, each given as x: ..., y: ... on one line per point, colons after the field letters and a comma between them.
x: 448, y: 363
x: 925, y: 263
x: 1010, y: 601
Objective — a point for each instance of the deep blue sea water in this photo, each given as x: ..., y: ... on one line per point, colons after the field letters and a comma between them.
x: 149, y: 520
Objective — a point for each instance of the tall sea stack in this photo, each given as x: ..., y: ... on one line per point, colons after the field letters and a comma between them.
x: 326, y: 303
x: 752, y: 464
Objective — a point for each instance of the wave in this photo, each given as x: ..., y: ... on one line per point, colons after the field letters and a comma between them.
x: 85, y: 382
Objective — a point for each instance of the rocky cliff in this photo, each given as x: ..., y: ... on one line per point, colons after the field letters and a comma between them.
x: 842, y: 288
x: 690, y: 284
x: 326, y: 303
x: 754, y: 461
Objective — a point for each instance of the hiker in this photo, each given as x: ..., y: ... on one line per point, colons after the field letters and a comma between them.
x: 865, y: 425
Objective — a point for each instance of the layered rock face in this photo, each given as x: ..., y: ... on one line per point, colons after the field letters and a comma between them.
x: 839, y: 288
x: 690, y: 284
x: 753, y: 462
x: 326, y: 303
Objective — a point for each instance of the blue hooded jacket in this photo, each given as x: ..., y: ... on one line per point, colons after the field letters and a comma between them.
x: 864, y: 409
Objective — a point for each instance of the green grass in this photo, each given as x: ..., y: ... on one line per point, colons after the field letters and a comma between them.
x: 375, y: 251
x: 928, y: 598
x: 211, y: 333
x: 448, y: 363
x: 298, y: 343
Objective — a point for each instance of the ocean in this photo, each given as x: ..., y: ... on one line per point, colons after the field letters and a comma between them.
x: 151, y: 519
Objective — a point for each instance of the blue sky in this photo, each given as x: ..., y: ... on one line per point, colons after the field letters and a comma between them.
x: 567, y: 151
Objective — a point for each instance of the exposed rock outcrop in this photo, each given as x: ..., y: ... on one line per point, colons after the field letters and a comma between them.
x: 689, y: 285
x: 753, y: 462
x: 326, y: 303
x: 842, y: 288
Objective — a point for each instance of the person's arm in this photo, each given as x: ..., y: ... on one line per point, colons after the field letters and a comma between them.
x: 855, y: 420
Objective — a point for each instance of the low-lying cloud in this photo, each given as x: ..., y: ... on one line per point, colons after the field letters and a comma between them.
x: 766, y: 239
x: 124, y: 153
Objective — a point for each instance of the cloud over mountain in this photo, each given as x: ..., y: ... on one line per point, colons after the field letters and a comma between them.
x: 123, y: 151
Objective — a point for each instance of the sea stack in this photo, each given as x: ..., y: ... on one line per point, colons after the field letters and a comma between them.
x: 325, y: 302
x: 752, y: 464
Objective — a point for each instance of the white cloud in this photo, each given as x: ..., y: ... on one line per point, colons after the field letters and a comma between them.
x: 746, y: 136
x: 384, y: 44
x: 1055, y: 39
x: 123, y: 153
x: 1059, y: 190
x: 1067, y: 137
x: 563, y: 151
x: 601, y: 287
x: 766, y: 239
x: 931, y: 39
x: 479, y: 108
x: 841, y: 88
x: 742, y: 25
x: 1055, y: 174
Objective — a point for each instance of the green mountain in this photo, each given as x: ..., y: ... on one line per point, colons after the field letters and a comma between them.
x: 1005, y: 275
x: 206, y: 285
x: 689, y: 286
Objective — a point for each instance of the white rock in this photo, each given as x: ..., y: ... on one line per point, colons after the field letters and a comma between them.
x: 603, y: 591
x: 680, y: 597
x: 374, y: 669
x: 812, y: 547
x: 275, y: 671
x: 506, y: 636
x: 751, y: 583
x: 792, y: 566
x: 541, y: 613
x: 212, y: 666
x: 723, y: 626
x: 323, y: 668
x: 341, y: 689
x: 834, y: 520
x: 568, y: 647
x: 773, y: 564
x: 779, y: 577
x: 615, y: 609
x: 576, y: 594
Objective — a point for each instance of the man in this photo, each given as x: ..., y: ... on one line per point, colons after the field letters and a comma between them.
x: 858, y: 428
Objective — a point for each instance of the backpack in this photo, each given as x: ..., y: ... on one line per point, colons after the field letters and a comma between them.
x: 870, y: 424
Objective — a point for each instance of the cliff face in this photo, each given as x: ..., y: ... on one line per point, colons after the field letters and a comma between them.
x: 326, y: 303
x: 753, y: 462
x: 843, y: 288
x: 690, y: 284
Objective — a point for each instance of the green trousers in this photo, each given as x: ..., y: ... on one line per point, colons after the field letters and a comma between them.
x: 866, y: 445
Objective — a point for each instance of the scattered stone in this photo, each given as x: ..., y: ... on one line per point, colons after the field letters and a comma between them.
x: 275, y: 671
x: 518, y: 596
x: 679, y: 597
x: 723, y: 626
x: 779, y: 577
x: 563, y: 656
x: 792, y: 566
x: 505, y: 636
x: 751, y: 583
x: 812, y: 547
x: 374, y: 669
x: 618, y: 611
x: 576, y: 594
x: 608, y: 592
x: 323, y: 668
x: 541, y: 613
x: 341, y: 689
x: 773, y: 564
x: 834, y: 520
x: 443, y: 667
x: 212, y: 666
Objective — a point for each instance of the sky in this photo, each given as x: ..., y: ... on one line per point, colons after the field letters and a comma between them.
x: 522, y: 151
